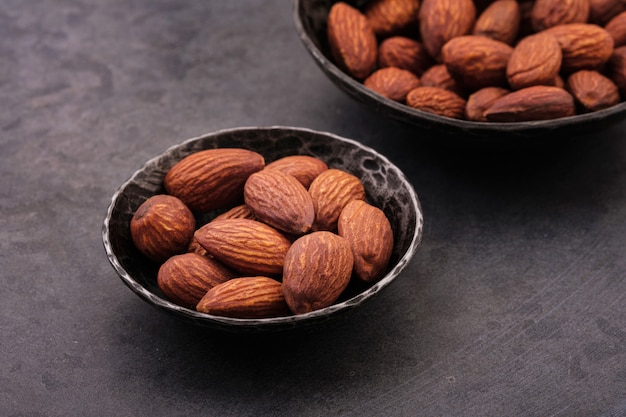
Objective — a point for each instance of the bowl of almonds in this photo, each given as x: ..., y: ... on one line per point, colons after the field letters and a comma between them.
x: 257, y: 229
x: 501, y: 72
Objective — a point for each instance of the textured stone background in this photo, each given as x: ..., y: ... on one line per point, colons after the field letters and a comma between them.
x: 514, y: 305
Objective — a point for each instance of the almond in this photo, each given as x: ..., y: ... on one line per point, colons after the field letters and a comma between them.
x: 245, y: 298
x: 616, y: 69
x: 304, y: 167
x: 368, y: 231
x: 500, y: 21
x: 536, y: 60
x: 185, y: 278
x: 592, y: 91
x: 439, y: 76
x: 330, y: 192
x: 280, y: 200
x: 405, y: 53
x: 241, y: 211
x: 318, y: 267
x: 481, y: 100
x: 212, y: 178
x: 437, y: 100
x: 617, y: 29
x: 352, y: 40
x: 548, y: 13
x: 442, y: 20
x: 392, y: 17
x: 583, y: 45
x: 162, y: 226
x: 248, y: 246
x: 392, y: 83
x: 601, y: 11
x: 532, y: 103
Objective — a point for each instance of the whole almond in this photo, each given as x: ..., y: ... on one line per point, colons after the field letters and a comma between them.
x: 617, y: 29
x: 330, y: 192
x: 601, y: 11
x: 241, y: 211
x: 477, y: 61
x: 352, y: 40
x: 392, y: 17
x: 280, y: 200
x: 304, y: 167
x: 536, y: 60
x: 481, y: 100
x: 212, y: 178
x: 616, y: 69
x: 368, y: 231
x: 583, y: 45
x: 532, y: 103
x: 548, y: 13
x: 439, y: 76
x: 437, y: 100
x: 500, y: 21
x: 592, y: 91
x: 245, y: 298
x: 162, y: 226
x: 318, y: 267
x: 392, y: 83
x: 405, y: 53
x: 442, y: 20
x: 185, y: 278
x: 248, y: 246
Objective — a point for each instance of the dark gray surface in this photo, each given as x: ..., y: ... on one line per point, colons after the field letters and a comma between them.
x: 515, y: 304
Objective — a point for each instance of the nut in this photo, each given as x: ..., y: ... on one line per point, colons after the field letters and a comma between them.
x: 318, y: 267
x: 536, y: 60
x: 330, y: 192
x: 248, y: 246
x: 185, y: 278
x: 405, y: 53
x: 212, y: 178
x: 617, y: 29
x: 241, y: 211
x: 548, y: 13
x: 500, y: 21
x: 352, y: 40
x: 368, y: 231
x: 392, y: 17
x: 601, y: 11
x: 616, y: 69
x: 477, y: 61
x: 592, y: 91
x: 437, y: 100
x: 245, y: 298
x: 532, y: 103
x: 279, y: 200
x: 304, y: 167
x: 161, y: 227
x: 583, y: 45
x: 392, y: 83
x: 439, y: 76
x: 442, y: 20
x: 481, y: 100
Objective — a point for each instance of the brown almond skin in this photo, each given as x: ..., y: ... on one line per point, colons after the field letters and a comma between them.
x: 392, y: 17
x: 240, y: 211
x: 405, y: 53
x: 602, y: 11
x: 616, y: 69
x: 245, y: 298
x: 438, y: 101
x: 392, y: 83
x: 249, y: 247
x: 368, y: 231
x: 318, y: 268
x: 481, y: 100
x: 162, y: 226
x: 500, y: 21
x: 442, y: 20
x: 304, y: 167
x: 583, y: 45
x: 439, y: 76
x: 617, y: 29
x: 352, y: 40
x: 548, y: 13
x: 330, y: 192
x: 477, y: 61
x: 212, y: 178
x: 592, y: 91
x: 536, y: 60
x: 532, y: 103
x: 280, y: 200
x: 185, y: 278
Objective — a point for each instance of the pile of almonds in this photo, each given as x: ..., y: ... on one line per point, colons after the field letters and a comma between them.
x: 486, y: 61
x: 285, y: 237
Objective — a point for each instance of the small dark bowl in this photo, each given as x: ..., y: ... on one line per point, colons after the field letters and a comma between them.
x: 386, y: 187
x: 310, y: 18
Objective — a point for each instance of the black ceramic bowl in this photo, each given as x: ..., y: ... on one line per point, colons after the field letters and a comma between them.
x: 386, y: 187
x: 310, y: 20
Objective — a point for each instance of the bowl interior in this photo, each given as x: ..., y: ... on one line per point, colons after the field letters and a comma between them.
x: 386, y: 187
x: 310, y: 18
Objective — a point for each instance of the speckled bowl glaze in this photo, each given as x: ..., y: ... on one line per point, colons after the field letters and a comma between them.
x: 310, y: 18
x: 386, y: 187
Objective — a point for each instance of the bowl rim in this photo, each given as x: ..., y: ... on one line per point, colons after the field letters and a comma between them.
x: 278, y: 322
x: 402, y: 112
